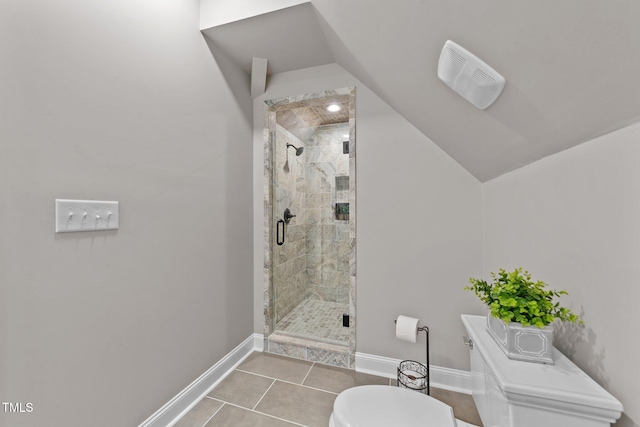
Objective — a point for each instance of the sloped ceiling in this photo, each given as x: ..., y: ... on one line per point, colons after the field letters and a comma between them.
x: 290, y: 38
x: 572, y: 70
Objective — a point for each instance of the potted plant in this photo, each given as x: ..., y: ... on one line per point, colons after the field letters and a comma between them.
x: 521, y: 312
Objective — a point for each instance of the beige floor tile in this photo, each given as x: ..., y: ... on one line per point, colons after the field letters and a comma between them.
x: 337, y: 379
x: 199, y: 414
x: 285, y: 404
x: 241, y: 388
x: 298, y: 404
x: 232, y: 416
x: 463, y: 405
x: 279, y: 367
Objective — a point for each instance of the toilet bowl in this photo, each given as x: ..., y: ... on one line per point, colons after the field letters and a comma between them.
x: 385, y: 406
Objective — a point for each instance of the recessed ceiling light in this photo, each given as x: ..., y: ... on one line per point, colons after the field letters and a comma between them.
x: 346, y: 135
x: 332, y: 108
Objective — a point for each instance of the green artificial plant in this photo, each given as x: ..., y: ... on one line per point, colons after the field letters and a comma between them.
x: 514, y: 297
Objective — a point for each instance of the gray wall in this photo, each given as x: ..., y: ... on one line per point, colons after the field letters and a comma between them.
x: 419, y: 225
x: 573, y: 220
x: 118, y: 100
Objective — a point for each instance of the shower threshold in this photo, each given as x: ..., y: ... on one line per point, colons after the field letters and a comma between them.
x: 316, y: 320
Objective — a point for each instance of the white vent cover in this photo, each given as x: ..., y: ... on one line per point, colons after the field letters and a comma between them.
x: 468, y: 75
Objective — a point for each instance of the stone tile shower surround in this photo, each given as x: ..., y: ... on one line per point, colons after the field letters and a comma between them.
x: 329, y: 243
x: 289, y: 260
x: 327, y: 238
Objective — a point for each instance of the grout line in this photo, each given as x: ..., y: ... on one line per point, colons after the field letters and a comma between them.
x: 262, y: 413
x: 305, y: 377
x: 263, y: 395
x: 253, y: 373
x: 309, y: 387
x: 288, y: 382
x: 214, y: 414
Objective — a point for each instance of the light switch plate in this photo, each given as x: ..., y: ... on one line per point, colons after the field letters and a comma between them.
x: 86, y: 215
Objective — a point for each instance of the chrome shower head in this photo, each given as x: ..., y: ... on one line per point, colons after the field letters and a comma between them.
x: 298, y: 150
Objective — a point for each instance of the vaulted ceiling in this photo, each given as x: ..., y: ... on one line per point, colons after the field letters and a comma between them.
x: 572, y: 67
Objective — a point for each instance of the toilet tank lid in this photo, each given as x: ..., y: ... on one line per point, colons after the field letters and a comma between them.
x: 562, y: 384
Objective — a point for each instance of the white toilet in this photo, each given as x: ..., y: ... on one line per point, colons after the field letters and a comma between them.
x: 507, y: 393
x: 386, y: 406
x: 513, y: 393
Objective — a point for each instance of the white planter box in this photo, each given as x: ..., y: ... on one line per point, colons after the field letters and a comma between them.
x: 527, y: 343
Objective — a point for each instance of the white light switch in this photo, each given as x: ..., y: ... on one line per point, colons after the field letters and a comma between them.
x: 86, y: 215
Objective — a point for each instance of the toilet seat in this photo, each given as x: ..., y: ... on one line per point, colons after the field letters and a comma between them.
x: 384, y: 406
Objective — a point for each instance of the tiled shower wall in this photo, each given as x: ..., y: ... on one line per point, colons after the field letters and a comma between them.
x: 327, y: 238
x: 289, y: 262
x: 314, y: 261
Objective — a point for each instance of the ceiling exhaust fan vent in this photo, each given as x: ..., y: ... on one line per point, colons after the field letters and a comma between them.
x: 469, y: 76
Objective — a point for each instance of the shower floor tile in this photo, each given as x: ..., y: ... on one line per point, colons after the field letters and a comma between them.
x: 317, y: 319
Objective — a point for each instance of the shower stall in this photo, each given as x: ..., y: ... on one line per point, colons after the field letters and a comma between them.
x: 310, y: 227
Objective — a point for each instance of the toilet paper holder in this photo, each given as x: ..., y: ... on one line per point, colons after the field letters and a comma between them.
x: 407, y: 368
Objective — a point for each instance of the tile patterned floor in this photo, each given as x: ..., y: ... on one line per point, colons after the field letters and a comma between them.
x: 316, y: 319
x: 267, y: 390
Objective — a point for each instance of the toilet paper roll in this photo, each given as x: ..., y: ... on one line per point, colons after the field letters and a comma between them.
x: 407, y: 328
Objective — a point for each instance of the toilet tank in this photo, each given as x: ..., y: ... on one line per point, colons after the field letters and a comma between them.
x: 513, y: 393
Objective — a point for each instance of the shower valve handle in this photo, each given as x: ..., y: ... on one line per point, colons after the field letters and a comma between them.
x: 288, y: 215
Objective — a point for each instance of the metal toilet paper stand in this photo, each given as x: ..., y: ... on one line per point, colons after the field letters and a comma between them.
x: 414, y: 375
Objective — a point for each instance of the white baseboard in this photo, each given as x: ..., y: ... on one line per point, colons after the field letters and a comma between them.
x: 445, y: 378
x: 258, y: 342
x: 173, y: 410
x: 377, y: 365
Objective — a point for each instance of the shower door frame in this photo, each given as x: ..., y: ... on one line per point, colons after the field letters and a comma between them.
x: 307, y: 348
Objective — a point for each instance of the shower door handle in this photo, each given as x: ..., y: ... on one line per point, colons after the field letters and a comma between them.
x: 278, y: 238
